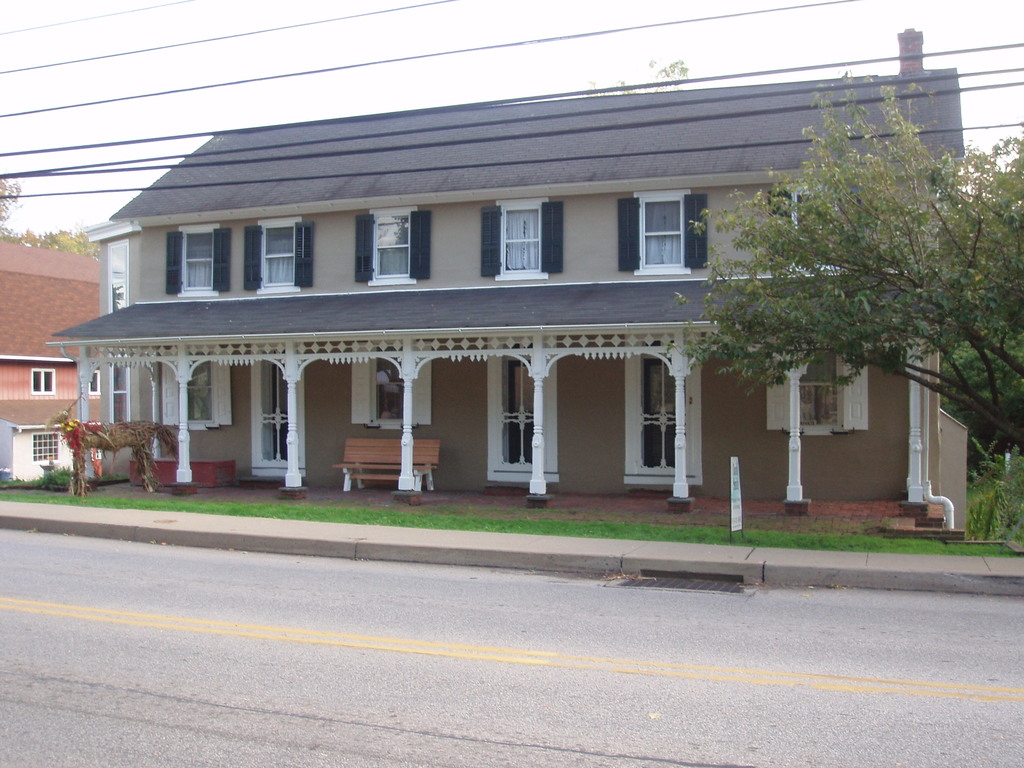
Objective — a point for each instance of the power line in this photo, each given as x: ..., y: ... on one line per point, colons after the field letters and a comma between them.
x: 421, y: 57
x: 204, y: 159
x: 93, y: 18
x: 561, y: 158
x: 517, y: 100
x: 221, y: 38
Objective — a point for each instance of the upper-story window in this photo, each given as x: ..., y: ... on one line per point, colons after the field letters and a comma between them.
x: 279, y: 255
x: 393, y: 246
x: 521, y: 239
x: 657, y: 235
x: 43, y: 381
x: 198, y: 260
x: 117, y: 275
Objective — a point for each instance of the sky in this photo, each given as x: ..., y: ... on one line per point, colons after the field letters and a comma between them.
x: 797, y: 33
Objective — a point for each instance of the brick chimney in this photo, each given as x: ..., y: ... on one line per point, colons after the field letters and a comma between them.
x: 911, y: 52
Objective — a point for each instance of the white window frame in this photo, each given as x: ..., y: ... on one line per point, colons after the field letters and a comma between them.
x: 497, y: 469
x: 674, y: 195
x: 116, y: 393
x: 53, y: 440
x: 852, y: 406
x: 117, y: 278
x: 400, y: 279
x: 186, y: 289
x: 635, y: 472
x: 95, y: 389
x: 532, y: 204
x: 364, y: 397
x: 265, y: 286
x: 47, y: 381
x: 220, y: 395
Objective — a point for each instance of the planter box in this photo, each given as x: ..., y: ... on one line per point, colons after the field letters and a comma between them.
x: 205, y: 474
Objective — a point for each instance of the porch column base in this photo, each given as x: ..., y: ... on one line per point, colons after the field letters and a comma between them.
x: 183, y: 489
x: 412, y: 498
x: 291, y: 492
x: 537, y: 500
x: 797, y: 508
x: 680, y: 505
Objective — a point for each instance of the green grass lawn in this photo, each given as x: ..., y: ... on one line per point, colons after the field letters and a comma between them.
x: 520, y: 521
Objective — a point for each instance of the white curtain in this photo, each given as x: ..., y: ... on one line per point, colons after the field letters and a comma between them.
x: 522, y: 240
x: 662, y: 226
x: 199, y: 260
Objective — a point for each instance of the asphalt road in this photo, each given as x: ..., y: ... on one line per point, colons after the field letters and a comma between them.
x: 117, y: 654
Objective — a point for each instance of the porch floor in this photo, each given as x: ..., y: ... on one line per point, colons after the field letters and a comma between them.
x: 841, y: 517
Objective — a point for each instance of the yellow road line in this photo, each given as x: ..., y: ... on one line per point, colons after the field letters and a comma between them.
x: 517, y: 656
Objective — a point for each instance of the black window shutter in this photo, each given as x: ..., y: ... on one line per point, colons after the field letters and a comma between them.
x: 222, y: 259
x: 696, y: 242
x: 364, y: 247
x: 304, y: 254
x: 175, y: 242
x: 419, y: 245
x: 551, y: 217
x: 253, y: 259
x: 490, y: 241
x: 629, y: 233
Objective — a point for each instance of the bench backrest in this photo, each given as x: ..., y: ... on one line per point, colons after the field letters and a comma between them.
x: 383, y: 451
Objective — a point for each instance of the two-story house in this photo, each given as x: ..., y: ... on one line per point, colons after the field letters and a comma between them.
x: 504, y: 277
x: 41, y: 291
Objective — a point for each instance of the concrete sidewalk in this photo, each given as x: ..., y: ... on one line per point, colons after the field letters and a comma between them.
x: 791, y: 567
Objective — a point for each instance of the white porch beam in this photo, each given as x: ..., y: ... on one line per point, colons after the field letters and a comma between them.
x: 680, y: 369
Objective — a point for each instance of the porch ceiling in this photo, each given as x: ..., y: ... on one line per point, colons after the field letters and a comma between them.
x: 468, y: 309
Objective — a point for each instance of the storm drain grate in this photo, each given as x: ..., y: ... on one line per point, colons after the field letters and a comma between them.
x: 685, y: 584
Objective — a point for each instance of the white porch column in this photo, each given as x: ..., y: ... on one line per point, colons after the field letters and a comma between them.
x: 85, y: 369
x: 915, y: 477
x: 183, y: 373
x: 538, y: 371
x: 406, y: 479
x: 680, y: 369
x: 795, y: 490
x: 292, y: 374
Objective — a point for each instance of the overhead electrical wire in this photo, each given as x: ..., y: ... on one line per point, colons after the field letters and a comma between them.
x: 423, y: 56
x: 94, y: 18
x: 487, y: 164
x: 221, y: 38
x: 207, y: 158
x: 487, y: 104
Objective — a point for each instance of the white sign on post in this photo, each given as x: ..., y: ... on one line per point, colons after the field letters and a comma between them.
x: 736, y: 502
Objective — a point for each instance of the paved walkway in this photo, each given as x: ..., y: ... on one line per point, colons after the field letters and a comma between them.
x: 979, y: 575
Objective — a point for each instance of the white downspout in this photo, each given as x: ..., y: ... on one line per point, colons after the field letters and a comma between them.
x: 947, y: 504
x: 919, y: 487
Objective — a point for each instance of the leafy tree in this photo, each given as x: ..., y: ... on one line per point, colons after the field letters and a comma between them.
x: 888, y: 254
x: 675, y: 70
x: 73, y: 241
x: 9, y: 191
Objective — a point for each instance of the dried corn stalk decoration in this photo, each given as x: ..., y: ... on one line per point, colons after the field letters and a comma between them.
x: 81, y: 436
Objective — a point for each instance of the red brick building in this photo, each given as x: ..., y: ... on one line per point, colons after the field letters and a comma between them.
x: 41, y: 291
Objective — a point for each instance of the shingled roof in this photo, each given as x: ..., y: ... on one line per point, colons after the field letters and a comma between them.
x: 681, y: 133
x: 533, y: 306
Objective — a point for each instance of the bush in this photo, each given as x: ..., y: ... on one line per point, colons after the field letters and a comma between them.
x: 56, y: 479
x: 996, y: 504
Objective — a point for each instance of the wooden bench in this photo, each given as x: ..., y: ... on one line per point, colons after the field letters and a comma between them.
x: 368, y: 458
